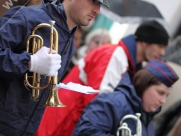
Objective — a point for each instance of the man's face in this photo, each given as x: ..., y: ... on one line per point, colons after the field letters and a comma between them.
x: 81, y: 12
x: 154, y: 51
x: 154, y: 97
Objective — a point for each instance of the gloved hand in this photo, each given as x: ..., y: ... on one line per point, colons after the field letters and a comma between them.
x: 44, y: 63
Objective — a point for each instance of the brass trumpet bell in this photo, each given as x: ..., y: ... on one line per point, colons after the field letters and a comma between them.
x: 53, y: 99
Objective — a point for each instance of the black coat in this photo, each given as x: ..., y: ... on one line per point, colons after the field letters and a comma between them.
x: 167, y: 120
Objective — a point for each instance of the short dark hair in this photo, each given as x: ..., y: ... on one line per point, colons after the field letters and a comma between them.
x: 142, y: 80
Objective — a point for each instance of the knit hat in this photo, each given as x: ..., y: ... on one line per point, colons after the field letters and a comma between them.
x: 162, y: 72
x: 152, y: 32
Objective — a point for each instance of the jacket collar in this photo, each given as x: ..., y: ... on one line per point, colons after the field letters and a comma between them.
x: 129, y: 45
x: 56, y: 11
x: 126, y: 87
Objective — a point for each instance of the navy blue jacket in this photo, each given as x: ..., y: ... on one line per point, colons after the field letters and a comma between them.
x: 103, y: 115
x: 18, y: 112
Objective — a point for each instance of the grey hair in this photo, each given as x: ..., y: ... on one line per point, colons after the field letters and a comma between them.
x: 98, y: 32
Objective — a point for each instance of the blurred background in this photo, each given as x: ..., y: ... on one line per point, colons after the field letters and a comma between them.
x: 122, y: 19
x: 126, y: 15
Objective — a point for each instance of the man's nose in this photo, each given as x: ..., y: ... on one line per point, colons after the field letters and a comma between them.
x: 162, y: 52
x: 163, y: 100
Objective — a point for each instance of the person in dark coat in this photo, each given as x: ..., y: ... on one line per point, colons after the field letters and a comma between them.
x: 166, y: 121
x: 102, y: 69
x: 20, y: 114
x: 145, y: 94
x: 176, y: 130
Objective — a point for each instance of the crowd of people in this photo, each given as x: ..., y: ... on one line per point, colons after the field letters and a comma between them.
x: 126, y: 85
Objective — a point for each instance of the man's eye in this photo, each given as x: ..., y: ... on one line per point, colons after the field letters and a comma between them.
x: 94, y: 1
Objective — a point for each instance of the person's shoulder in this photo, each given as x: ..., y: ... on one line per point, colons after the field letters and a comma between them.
x: 113, y: 97
x: 31, y: 10
x: 34, y: 14
x: 13, y: 10
x: 13, y: 13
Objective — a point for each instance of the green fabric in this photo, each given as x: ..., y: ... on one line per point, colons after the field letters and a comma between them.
x: 102, y: 22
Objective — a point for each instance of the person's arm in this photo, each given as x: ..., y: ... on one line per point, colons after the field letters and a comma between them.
x: 102, y: 69
x: 117, y: 66
x: 13, y: 61
x: 100, y: 117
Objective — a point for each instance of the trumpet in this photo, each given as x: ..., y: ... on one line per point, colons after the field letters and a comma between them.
x: 37, y: 43
x: 125, y: 130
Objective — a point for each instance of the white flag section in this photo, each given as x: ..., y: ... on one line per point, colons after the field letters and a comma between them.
x: 77, y: 88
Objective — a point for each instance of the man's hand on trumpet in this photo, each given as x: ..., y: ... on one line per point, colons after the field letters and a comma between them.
x: 44, y: 63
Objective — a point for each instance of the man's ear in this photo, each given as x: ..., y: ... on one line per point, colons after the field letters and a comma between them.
x: 144, y: 44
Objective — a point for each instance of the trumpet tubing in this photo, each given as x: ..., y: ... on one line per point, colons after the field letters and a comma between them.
x: 125, y: 130
x: 37, y: 43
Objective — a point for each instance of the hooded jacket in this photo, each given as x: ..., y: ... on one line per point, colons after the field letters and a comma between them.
x: 19, y: 114
x: 111, y: 59
x: 103, y: 115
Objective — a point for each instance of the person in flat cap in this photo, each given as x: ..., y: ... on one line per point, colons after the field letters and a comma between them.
x: 145, y: 93
x: 20, y: 113
x: 103, y: 2
x: 102, y: 69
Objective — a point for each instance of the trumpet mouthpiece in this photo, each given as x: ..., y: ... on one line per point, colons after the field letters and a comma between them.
x: 52, y: 22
